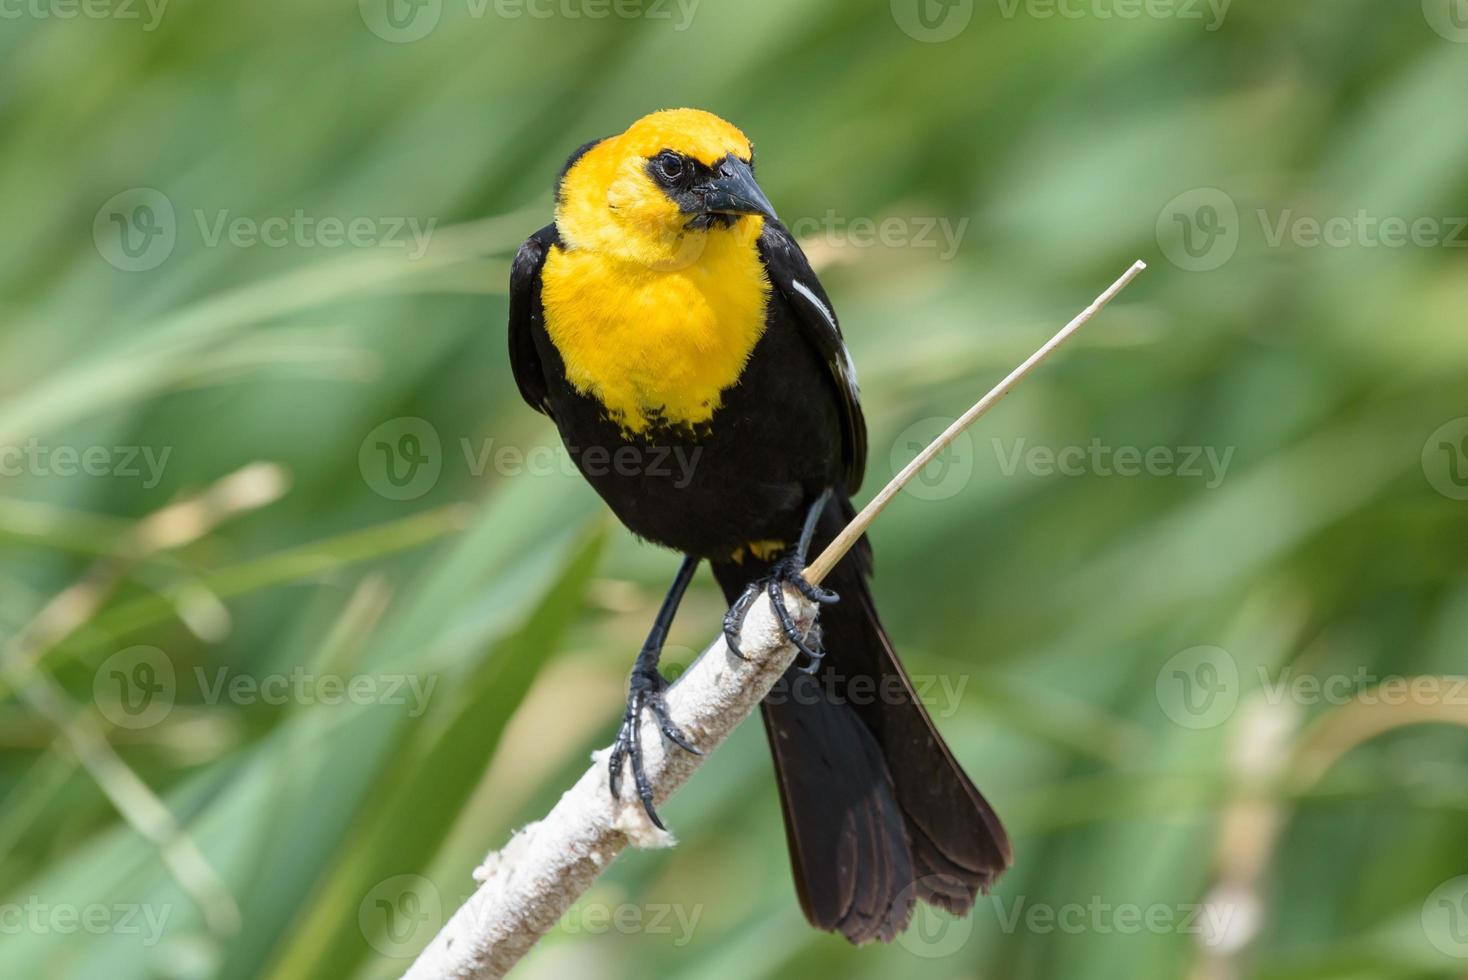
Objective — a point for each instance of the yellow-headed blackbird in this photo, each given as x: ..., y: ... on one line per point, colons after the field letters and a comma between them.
x: 668, y: 314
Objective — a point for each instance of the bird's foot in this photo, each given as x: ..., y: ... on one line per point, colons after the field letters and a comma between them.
x: 788, y: 570
x: 645, y: 692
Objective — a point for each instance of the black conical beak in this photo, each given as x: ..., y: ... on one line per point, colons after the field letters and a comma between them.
x: 733, y: 191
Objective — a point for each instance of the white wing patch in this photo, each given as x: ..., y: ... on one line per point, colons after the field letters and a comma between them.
x: 815, y: 301
x: 847, y: 368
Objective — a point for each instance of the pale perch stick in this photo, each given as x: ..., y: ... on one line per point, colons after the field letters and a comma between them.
x: 836, y: 550
x: 529, y: 885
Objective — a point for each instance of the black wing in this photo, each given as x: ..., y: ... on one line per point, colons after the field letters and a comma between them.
x: 526, y: 316
x: 793, y: 278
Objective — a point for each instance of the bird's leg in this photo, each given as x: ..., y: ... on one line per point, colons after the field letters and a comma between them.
x: 645, y: 692
x: 789, y: 569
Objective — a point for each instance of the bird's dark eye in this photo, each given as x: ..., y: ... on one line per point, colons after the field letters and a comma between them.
x: 670, y: 164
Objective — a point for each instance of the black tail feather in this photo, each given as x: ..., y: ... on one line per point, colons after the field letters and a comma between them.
x: 878, y: 813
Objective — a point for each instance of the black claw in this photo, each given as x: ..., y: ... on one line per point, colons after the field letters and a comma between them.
x: 787, y: 622
x: 676, y: 737
x: 614, y: 763
x: 814, y: 651
x: 734, y: 619
x: 659, y: 706
x: 818, y: 650
x: 645, y: 694
x: 815, y: 593
x: 787, y: 570
x: 792, y: 570
x: 639, y: 776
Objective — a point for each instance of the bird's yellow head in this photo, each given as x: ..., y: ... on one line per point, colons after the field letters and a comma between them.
x: 654, y: 194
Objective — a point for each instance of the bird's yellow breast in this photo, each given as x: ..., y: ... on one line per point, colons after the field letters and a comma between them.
x: 658, y: 344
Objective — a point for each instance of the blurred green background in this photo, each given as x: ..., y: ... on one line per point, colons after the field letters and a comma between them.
x: 300, y: 611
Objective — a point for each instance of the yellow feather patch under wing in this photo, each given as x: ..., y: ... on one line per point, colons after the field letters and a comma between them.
x: 763, y: 550
x: 657, y: 345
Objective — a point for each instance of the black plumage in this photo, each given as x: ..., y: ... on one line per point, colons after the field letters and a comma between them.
x: 877, y: 811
